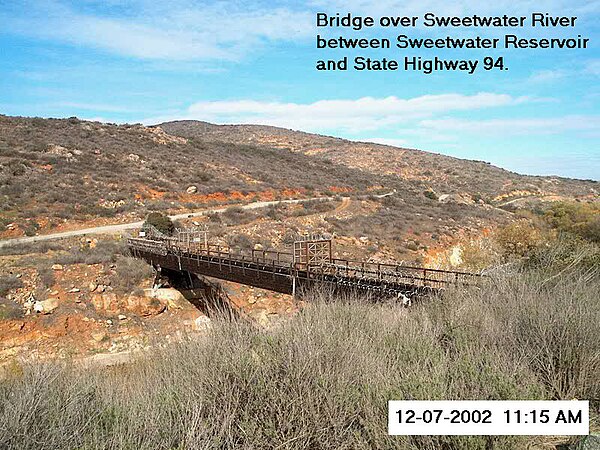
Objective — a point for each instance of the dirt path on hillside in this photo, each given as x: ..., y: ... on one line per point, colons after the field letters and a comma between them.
x: 111, y: 229
x: 342, y: 206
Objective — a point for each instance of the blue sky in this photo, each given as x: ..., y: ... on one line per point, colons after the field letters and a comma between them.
x: 253, y: 62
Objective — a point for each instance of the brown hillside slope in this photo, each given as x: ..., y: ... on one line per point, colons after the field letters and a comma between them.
x: 70, y: 169
x: 443, y: 174
x: 57, y: 170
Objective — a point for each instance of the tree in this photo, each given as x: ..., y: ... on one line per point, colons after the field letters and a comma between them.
x: 161, y: 222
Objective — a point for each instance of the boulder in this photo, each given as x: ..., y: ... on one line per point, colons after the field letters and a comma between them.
x: 99, y: 336
x: 462, y: 199
x: 46, y: 306
x: 169, y: 296
x: 191, y: 190
x: 144, y: 306
x: 59, y: 150
x: 105, y: 302
x: 57, y: 267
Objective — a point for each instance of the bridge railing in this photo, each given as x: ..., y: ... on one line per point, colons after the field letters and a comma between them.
x: 267, y: 257
x: 271, y: 260
x: 158, y: 247
x: 394, y: 273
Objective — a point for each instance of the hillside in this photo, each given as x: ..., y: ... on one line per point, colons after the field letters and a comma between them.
x: 444, y: 174
x: 54, y: 169
x: 57, y: 174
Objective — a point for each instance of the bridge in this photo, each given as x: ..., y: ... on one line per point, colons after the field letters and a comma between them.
x: 311, y: 263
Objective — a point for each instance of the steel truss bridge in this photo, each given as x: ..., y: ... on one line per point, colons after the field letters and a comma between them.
x: 310, y: 264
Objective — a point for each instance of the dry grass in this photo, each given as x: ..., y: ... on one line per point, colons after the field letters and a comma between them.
x: 322, y: 380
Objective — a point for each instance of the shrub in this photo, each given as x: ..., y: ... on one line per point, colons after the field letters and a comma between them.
x: 26, y: 249
x: 10, y: 310
x: 430, y: 195
x: 105, y: 251
x: 582, y: 219
x: 236, y: 215
x: 566, y: 254
x: 31, y: 228
x: 478, y: 255
x: 240, y: 241
x: 129, y: 273
x: 8, y: 283
x: 591, y: 229
x: 518, y: 239
x: 161, y: 222
x: 46, y: 276
x: 331, y: 368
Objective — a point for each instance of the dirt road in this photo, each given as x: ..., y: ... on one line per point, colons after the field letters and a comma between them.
x: 111, y: 229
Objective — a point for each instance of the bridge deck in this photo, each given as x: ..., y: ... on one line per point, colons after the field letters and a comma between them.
x: 277, y: 271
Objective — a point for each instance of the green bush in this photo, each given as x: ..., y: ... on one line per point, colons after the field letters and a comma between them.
x: 582, y: 219
x: 518, y: 239
x: 161, y: 222
x: 430, y: 195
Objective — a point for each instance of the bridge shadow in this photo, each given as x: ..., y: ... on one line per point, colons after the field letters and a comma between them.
x: 208, y: 297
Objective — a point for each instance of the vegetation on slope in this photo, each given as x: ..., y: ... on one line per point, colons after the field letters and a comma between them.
x: 67, y: 168
x: 53, y: 170
x: 565, y: 228
x: 444, y: 174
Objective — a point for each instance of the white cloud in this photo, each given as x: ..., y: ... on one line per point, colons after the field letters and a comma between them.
x: 228, y: 30
x: 588, y: 125
x: 367, y: 113
x: 149, y: 30
x: 548, y: 76
x: 592, y: 67
x: 460, y: 7
x: 388, y: 141
x: 101, y: 119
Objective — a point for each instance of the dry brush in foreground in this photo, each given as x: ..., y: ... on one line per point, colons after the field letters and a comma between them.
x: 323, y: 379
